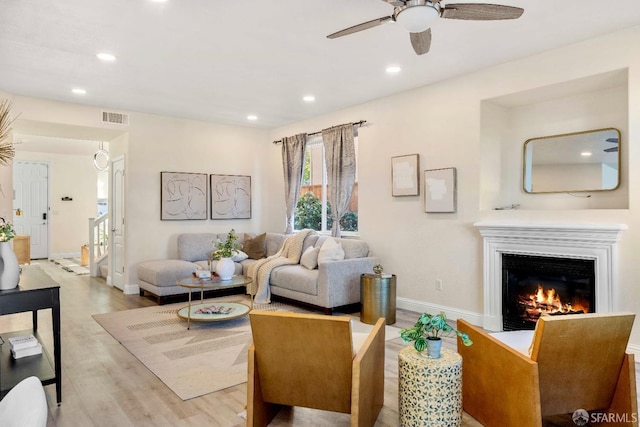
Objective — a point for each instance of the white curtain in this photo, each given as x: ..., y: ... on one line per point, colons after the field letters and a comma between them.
x: 340, y: 156
x: 293, y: 149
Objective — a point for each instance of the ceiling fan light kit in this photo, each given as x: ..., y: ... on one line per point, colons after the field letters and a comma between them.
x: 419, y: 17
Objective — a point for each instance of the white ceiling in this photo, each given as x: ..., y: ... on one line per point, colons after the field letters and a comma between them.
x: 220, y: 61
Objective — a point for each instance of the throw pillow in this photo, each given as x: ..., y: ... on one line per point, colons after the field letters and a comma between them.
x: 254, y: 246
x: 239, y: 256
x: 330, y: 250
x: 309, y: 258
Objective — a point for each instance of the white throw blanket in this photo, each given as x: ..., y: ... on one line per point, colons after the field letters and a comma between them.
x: 260, y: 271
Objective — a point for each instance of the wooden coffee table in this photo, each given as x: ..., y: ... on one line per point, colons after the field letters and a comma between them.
x: 211, y: 312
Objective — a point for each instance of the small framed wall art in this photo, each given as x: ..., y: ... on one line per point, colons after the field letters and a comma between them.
x: 230, y: 196
x: 183, y: 195
x: 405, y: 175
x: 440, y: 190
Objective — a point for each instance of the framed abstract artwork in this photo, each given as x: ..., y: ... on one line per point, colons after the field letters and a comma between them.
x: 183, y: 196
x: 230, y: 196
x: 440, y: 190
x: 405, y: 175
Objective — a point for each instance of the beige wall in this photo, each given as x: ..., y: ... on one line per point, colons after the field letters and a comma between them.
x: 168, y: 144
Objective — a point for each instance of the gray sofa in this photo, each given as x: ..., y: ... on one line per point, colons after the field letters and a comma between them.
x: 330, y: 285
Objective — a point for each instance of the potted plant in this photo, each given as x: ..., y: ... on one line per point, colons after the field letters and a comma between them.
x: 225, y: 267
x: 427, y: 333
x: 9, y: 267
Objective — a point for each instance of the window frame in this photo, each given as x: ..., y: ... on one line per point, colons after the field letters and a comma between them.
x: 316, y: 140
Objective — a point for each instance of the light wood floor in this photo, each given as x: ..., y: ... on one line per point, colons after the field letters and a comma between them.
x: 104, y: 385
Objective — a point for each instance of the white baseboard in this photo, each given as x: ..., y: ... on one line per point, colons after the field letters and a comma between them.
x: 131, y: 289
x: 452, y: 313
x: 471, y: 317
x: 65, y: 255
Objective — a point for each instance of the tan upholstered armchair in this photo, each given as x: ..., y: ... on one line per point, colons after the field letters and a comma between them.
x: 309, y: 360
x: 576, y: 362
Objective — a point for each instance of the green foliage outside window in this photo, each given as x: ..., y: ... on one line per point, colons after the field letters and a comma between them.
x: 309, y: 215
x: 349, y: 221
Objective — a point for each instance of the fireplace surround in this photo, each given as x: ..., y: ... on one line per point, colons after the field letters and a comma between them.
x: 597, y: 242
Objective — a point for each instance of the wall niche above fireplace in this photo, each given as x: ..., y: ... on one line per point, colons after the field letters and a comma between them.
x: 506, y: 122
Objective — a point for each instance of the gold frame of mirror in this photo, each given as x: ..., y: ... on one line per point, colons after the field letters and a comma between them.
x: 572, y: 162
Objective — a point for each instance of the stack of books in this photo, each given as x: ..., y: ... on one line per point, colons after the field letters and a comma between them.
x: 24, y: 345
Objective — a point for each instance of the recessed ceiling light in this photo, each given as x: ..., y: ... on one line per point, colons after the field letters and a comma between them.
x: 79, y: 91
x: 393, y: 69
x: 107, y: 57
x: 308, y: 98
x: 585, y: 154
x: 252, y: 117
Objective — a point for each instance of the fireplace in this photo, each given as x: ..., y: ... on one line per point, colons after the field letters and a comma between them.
x: 535, y: 285
x: 593, y: 243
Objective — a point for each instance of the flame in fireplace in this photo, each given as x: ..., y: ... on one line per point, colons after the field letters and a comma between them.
x: 547, y: 301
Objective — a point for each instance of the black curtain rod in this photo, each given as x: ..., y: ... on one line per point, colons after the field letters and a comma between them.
x: 356, y: 124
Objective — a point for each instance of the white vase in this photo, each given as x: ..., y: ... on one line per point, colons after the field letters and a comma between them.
x: 225, y: 268
x: 9, y: 267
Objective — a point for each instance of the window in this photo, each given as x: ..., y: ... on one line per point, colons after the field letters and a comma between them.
x: 313, y: 209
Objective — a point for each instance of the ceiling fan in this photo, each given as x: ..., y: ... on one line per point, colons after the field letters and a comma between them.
x: 417, y: 16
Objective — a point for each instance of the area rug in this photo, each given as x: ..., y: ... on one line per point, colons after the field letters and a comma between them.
x: 72, y: 265
x: 211, y: 356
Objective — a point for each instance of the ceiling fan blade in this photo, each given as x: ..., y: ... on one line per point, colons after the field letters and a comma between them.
x: 612, y: 140
x: 360, y: 27
x: 480, y: 11
x: 421, y: 42
x: 611, y: 150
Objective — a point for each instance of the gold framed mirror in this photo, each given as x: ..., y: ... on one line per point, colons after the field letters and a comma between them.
x: 572, y: 162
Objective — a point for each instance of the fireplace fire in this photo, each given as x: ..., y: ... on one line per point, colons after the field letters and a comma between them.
x: 536, y: 285
x: 547, y: 301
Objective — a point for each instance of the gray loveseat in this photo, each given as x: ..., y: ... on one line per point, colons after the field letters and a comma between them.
x: 330, y: 285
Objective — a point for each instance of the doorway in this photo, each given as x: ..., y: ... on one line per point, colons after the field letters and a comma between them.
x: 117, y: 257
x: 31, y: 205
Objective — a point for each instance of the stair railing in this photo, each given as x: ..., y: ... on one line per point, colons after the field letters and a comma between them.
x: 98, y: 242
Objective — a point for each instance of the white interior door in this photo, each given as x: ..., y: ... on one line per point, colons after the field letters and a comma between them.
x: 31, y: 205
x: 116, y: 249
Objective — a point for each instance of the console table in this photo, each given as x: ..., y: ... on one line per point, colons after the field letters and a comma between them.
x: 36, y: 291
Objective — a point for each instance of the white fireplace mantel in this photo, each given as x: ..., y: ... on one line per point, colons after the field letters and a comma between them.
x: 597, y: 242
